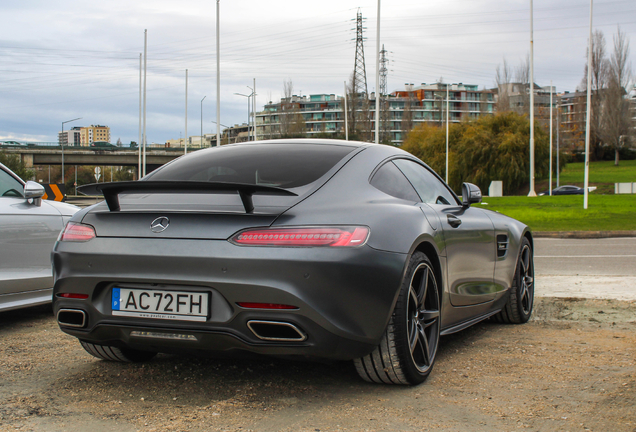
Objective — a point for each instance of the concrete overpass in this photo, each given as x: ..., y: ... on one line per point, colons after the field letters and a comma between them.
x: 32, y: 156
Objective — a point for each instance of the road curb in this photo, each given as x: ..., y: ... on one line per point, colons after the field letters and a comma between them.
x: 583, y: 234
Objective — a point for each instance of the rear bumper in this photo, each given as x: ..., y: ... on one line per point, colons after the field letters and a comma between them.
x: 345, y: 296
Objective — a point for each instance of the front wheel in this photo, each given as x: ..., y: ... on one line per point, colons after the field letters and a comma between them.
x: 518, y: 308
x: 407, y: 351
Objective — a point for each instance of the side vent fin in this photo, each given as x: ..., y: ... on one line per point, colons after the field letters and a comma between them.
x: 502, y: 245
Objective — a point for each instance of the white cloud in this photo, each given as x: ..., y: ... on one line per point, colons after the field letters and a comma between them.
x: 66, y: 59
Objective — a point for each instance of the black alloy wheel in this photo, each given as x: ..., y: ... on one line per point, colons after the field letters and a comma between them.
x: 406, y: 354
x: 518, y: 309
x: 423, y: 317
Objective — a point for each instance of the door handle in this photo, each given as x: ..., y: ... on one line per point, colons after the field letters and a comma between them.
x: 453, y: 221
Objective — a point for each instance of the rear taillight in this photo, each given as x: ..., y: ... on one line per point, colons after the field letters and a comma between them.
x: 73, y: 296
x: 343, y: 236
x: 77, y: 232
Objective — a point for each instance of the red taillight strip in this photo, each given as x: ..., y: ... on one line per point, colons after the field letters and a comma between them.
x: 344, y: 236
x: 77, y: 232
x: 73, y: 296
x: 250, y: 305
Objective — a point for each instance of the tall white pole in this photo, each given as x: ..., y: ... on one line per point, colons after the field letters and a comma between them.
x: 447, y: 112
x: 140, y: 99
x: 377, y: 80
x: 558, y: 121
x: 185, y: 151
x: 588, y: 115
x: 218, y: 78
x: 254, y: 111
x: 145, y: 139
x: 550, y: 181
x: 202, y: 121
x: 346, y: 122
x: 532, y: 193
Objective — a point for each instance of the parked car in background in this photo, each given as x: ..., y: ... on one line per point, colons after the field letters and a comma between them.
x: 318, y: 249
x: 566, y: 190
x: 29, y: 227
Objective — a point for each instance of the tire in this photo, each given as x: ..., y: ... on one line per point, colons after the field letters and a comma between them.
x: 111, y: 353
x: 407, y: 350
x: 519, y: 306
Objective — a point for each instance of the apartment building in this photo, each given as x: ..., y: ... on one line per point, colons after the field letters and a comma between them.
x: 94, y: 133
x: 69, y: 137
x: 323, y: 114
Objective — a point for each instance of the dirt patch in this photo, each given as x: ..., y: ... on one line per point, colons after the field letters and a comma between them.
x: 573, y: 367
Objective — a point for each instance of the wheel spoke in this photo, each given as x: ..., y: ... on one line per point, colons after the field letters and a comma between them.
x: 424, y: 347
x: 423, y: 288
x: 426, y: 316
x: 525, y: 260
x: 413, y: 339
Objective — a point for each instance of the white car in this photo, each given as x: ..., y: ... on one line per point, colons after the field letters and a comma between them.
x: 29, y: 227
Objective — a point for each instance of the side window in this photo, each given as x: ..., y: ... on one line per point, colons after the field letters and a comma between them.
x: 427, y: 185
x: 10, y: 187
x: 390, y: 180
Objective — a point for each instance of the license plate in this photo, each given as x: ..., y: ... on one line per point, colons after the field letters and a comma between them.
x: 158, y: 304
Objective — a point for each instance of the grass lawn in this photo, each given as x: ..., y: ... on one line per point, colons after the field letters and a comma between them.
x: 565, y: 213
x: 603, y: 175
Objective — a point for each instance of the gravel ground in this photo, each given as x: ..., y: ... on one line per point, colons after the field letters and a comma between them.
x: 572, y: 368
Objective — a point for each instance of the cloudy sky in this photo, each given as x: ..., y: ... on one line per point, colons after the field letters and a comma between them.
x: 62, y: 59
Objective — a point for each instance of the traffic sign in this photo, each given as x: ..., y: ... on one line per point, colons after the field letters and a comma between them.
x: 54, y: 192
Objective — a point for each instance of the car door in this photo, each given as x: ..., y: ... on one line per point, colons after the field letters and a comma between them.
x: 468, y: 233
x: 27, y: 235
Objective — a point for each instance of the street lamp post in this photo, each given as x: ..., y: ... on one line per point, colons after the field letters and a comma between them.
x: 249, y: 120
x: 248, y: 111
x: 202, y: 121
x: 447, y: 113
x: 62, y: 144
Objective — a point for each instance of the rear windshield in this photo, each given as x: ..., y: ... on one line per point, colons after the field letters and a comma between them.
x: 281, y: 165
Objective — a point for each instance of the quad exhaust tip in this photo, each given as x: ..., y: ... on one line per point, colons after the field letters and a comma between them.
x: 71, y: 318
x: 276, y: 331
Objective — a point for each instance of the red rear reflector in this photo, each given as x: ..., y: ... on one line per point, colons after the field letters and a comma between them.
x: 77, y: 232
x: 249, y: 305
x: 73, y: 296
x: 347, y: 236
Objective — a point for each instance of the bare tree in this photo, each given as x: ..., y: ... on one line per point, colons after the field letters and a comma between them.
x: 616, y: 124
x: 503, y: 77
x: 359, y: 112
x: 292, y: 124
x: 600, y: 70
x: 522, y: 76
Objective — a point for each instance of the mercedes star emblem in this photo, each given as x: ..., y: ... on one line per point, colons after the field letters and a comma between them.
x: 160, y: 224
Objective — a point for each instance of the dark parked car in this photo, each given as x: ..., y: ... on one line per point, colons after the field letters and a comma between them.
x: 290, y: 248
x: 565, y: 190
x: 29, y: 227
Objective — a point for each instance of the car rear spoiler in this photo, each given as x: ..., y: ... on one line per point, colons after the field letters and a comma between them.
x: 112, y: 190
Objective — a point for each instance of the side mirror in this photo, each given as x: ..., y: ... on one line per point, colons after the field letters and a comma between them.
x: 471, y: 194
x: 34, y: 191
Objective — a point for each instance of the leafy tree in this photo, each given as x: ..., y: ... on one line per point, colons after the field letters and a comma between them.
x: 15, y: 164
x: 490, y: 148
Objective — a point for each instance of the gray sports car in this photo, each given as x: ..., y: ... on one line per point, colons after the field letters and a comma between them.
x: 293, y: 248
x: 29, y: 227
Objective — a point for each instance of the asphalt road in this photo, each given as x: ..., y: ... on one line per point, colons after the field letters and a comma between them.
x: 586, y: 268
x: 593, y: 257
